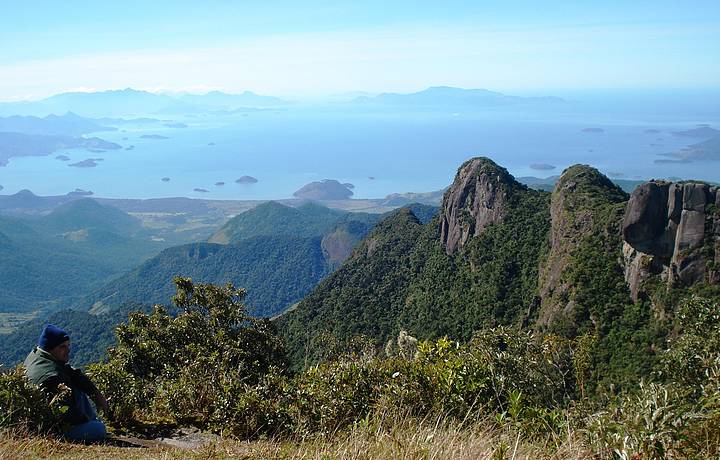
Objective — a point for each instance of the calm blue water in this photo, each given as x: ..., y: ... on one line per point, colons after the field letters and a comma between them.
x: 403, y: 152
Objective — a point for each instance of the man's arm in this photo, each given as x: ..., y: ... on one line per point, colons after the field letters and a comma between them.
x: 83, y: 382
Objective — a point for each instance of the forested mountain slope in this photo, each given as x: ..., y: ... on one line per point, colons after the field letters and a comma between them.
x: 499, y: 253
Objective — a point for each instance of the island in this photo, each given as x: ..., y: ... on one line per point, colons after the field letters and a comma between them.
x: 62, y: 158
x: 708, y: 150
x: 19, y: 145
x: 593, y: 130
x: 130, y: 147
x: 246, y: 180
x: 200, y: 190
x: 176, y: 125
x: 542, y: 166
x: 652, y: 131
x: 327, y: 189
x: 703, y: 132
x: 1, y: 187
x: 165, y: 179
x: 668, y: 161
x: 89, y: 163
x: 153, y: 136
x: 210, y: 144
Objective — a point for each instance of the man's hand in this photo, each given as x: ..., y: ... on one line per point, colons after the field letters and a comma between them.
x: 102, y: 404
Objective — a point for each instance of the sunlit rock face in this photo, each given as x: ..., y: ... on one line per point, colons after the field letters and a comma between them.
x: 478, y: 197
x: 672, y: 230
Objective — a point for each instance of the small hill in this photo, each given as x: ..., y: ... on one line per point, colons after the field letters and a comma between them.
x: 276, y: 271
x: 87, y: 213
x: 275, y: 219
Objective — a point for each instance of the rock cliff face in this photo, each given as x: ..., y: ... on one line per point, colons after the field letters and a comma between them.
x: 672, y: 230
x: 479, y: 196
x: 582, y: 201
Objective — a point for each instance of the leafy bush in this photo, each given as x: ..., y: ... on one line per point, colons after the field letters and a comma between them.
x: 23, y: 406
x: 182, y: 368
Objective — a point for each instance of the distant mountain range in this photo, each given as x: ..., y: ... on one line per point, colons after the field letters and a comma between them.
x: 131, y: 102
x: 134, y: 102
x: 68, y: 124
x: 447, y: 96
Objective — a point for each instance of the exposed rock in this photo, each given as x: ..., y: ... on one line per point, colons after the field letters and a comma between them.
x: 580, y: 193
x: 669, y: 226
x: 477, y: 198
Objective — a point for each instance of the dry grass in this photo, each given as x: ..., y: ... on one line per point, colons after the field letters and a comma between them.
x: 403, y: 439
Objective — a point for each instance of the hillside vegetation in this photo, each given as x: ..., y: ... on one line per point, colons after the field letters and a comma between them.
x: 507, y: 317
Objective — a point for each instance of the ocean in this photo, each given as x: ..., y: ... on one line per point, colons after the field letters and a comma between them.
x: 379, y: 152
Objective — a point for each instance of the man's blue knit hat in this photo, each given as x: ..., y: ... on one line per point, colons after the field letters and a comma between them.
x: 51, y: 337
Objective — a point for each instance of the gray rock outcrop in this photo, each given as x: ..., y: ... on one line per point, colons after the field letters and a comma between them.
x: 671, y: 230
x: 478, y: 197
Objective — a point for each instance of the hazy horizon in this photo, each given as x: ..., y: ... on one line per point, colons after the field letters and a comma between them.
x: 325, y: 48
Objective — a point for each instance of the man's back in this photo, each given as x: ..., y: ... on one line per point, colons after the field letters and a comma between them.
x: 41, y: 367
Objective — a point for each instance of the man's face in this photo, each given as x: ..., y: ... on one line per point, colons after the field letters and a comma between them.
x: 62, y: 352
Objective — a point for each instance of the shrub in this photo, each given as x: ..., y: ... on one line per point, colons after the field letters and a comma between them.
x: 23, y: 406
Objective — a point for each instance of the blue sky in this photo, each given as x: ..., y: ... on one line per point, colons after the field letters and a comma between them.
x: 324, y: 47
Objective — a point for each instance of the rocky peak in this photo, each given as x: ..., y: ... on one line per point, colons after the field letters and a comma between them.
x: 672, y: 230
x: 580, y: 196
x: 478, y: 197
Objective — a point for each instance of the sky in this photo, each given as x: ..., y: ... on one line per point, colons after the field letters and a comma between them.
x: 291, y: 48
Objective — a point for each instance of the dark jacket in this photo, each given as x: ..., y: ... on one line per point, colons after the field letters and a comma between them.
x: 47, y: 373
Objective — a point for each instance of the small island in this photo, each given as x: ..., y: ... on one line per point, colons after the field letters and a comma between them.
x: 219, y: 184
x: 89, y: 163
x: 542, y: 167
x: 371, y: 177
x: 593, y: 130
x: 130, y: 147
x: 349, y: 185
x: 176, y: 125
x: 246, y: 180
x: 1, y: 187
x: 652, y: 131
x: 96, y: 150
x: 62, y: 158
x: 210, y: 144
x: 153, y: 136
x: 165, y: 179
x: 200, y: 190
x: 327, y: 189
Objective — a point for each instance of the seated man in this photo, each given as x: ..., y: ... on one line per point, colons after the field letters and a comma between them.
x: 47, y: 366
